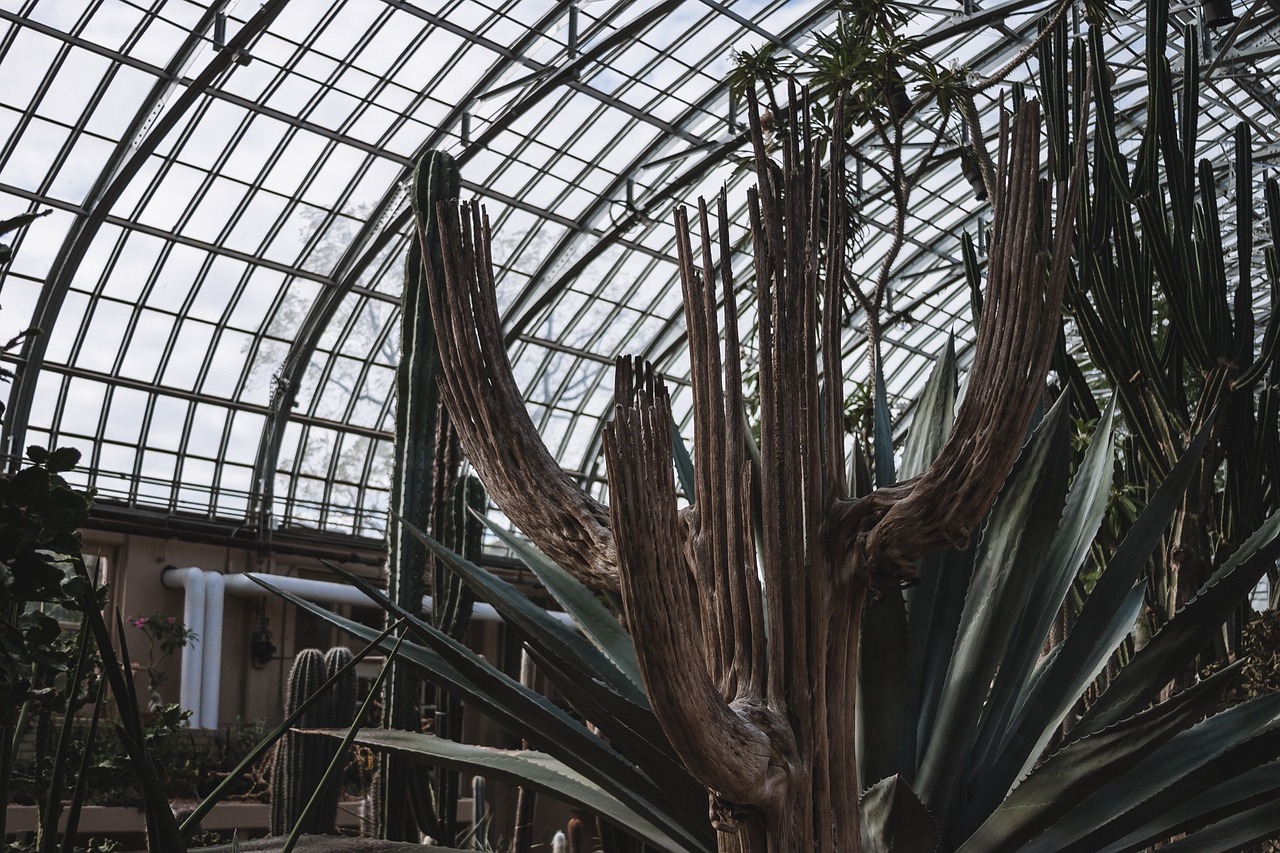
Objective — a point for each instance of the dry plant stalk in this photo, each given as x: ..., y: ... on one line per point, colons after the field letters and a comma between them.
x: 759, y: 700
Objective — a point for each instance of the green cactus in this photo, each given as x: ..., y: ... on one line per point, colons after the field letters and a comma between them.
x: 430, y: 494
x: 301, y: 760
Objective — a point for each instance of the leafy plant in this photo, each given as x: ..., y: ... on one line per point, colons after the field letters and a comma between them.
x: 986, y: 731
x: 46, y: 675
x: 167, y: 632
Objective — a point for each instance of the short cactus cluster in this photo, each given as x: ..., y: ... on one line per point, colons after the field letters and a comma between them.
x: 301, y: 760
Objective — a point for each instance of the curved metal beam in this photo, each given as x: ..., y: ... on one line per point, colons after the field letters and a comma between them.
x: 122, y: 166
x: 371, y: 240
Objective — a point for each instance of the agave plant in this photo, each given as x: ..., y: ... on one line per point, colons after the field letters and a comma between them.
x: 771, y: 632
x: 622, y: 767
x: 975, y: 701
x: 966, y: 705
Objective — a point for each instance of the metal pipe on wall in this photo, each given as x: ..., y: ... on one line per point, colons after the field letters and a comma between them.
x: 204, y: 608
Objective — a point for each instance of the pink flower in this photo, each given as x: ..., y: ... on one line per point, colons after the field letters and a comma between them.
x: 170, y: 620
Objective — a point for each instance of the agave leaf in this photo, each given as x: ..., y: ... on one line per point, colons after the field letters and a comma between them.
x: 1238, y: 832
x: 526, y: 713
x: 1170, y: 776
x: 1106, y: 618
x: 684, y: 462
x: 574, y: 652
x: 1090, y: 661
x: 595, y: 620
x: 497, y: 695
x: 527, y: 768
x: 886, y: 648
x: 1075, y: 771
x: 1085, y: 508
x: 881, y: 673
x: 1249, y: 789
x: 606, y: 696
x: 894, y: 820
x: 935, y: 606
x: 933, y: 414
x: 1187, y: 632
x: 1010, y: 553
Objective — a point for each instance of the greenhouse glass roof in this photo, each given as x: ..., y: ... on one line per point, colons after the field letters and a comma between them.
x: 218, y: 281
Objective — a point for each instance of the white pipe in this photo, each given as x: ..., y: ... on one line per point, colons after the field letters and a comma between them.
x: 192, y: 581
x: 211, y: 657
x: 204, y: 606
x: 341, y: 593
x: 306, y: 588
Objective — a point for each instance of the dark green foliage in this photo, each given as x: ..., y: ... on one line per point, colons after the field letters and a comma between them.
x: 627, y: 761
x: 983, y: 708
x: 1165, y: 312
x: 426, y: 459
x: 46, y: 675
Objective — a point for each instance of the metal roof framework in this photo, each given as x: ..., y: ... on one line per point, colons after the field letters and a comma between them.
x: 219, y: 281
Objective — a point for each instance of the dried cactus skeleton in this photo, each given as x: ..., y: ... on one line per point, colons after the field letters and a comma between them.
x: 766, y: 722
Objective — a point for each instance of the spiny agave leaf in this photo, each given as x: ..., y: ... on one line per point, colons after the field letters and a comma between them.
x: 1186, y: 633
x: 894, y: 820
x: 1240, y: 794
x: 935, y: 606
x: 684, y: 462
x: 933, y: 415
x: 595, y: 620
x: 881, y: 673
x: 1078, y: 769
x: 1022, y: 752
x: 882, y: 432
x: 512, y: 705
x: 1239, y: 832
x: 1106, y: 618
x: 885, y: 650
x: 1010, y: 554
x: 576, y: 653
x: 527, y: 768
x: 1169, y: 777
x: 1085, y: 508
x: 605, y: 695
x: 534, y: 717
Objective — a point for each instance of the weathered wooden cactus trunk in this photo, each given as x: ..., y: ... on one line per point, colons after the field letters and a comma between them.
x: 750, y: 652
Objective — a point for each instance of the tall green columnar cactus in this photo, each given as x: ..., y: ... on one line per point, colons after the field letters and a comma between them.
x: 338, y: 711
x: 301, y: 760
x: 415, y: 476
x: 451, y: 608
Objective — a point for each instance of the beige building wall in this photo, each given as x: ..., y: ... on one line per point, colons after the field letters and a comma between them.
x: 248, y: 689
